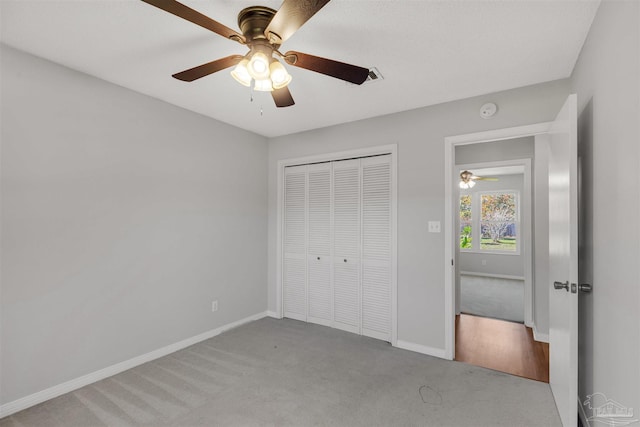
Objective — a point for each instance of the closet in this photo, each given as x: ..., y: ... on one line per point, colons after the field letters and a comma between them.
x: 337, y: 244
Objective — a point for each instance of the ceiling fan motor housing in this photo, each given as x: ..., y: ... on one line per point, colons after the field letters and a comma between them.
x: 253, y: 21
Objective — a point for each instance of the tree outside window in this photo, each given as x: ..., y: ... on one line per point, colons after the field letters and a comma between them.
x: 499, y: 215
x: 492, y: 218
x: 465, y: 222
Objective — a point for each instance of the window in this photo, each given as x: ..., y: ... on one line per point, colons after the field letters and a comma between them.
x: 489, y: 222
x: 465, y: 222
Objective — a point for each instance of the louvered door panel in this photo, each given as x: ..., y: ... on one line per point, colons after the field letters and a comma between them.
x: 294, y: 242
x: 346, y: 245
x: 320, y: 308
x: 376, y: 247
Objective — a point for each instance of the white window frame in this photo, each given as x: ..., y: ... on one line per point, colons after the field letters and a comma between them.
x: 476, y: 214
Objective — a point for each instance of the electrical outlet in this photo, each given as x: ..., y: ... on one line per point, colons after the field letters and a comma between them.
x: 434, y: 226
x: 214, y: 306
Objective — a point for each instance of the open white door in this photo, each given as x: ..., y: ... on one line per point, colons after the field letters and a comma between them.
x: 563, y: 262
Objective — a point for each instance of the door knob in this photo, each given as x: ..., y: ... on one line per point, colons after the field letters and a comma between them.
x: 561, y: 285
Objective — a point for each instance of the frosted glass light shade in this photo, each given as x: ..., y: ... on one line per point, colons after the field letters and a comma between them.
x: 263, y: 85
x: 259, y: 66
x: 241, y: 73
x: 279, y: 75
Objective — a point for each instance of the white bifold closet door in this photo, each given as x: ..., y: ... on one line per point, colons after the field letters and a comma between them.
x: 294, y: 273
x: 346, y: 244
x: 376, y: 247
x: 319, y: 301
x: 337, y: 245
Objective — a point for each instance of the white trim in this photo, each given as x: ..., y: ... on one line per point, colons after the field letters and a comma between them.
x: 582, y: 415
x: 419, y: 348
x: 539, y: 336
x: 76, y: 383
x: 394, y: 245
x: 391, y: 149
x: 450, y: 143
x: 497, y: 276
x: 273, y: 314
x: 499, y: 134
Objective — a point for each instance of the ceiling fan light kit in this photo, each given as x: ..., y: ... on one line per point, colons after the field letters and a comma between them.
x: 263, y: 31
x: 468, y: 179
x: 467, y: 185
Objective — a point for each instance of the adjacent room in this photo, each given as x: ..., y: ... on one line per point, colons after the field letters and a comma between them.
x: 296, y: 213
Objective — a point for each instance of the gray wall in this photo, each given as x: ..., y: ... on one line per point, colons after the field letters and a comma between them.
x: 606, y: 79
x: 494, y: 151
x: 420, y: 137
x: 123, y: 217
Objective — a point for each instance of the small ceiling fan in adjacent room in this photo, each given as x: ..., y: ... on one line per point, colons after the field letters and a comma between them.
x: 468, y: 179
x: 263, y: 31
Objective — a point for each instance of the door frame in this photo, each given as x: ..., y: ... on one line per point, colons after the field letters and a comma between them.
x: 450, y: 144
x: 525, y: 230
x: 391, y: 149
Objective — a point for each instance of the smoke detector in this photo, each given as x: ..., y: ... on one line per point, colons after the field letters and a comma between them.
x: 488, y: 110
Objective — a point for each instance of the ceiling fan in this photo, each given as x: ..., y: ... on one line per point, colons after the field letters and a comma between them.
x: 263, y: 31
x: 468, y: 179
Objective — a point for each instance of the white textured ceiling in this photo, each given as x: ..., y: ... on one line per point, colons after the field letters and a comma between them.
x: 428, y: 51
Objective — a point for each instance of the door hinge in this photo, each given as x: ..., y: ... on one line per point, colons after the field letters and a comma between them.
x: 451, y: 261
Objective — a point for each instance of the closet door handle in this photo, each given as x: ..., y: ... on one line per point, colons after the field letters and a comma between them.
x: 318, y: 258
x: 345, y: 260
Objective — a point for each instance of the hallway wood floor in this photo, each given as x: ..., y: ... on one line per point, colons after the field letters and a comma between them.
x: 500, y: 345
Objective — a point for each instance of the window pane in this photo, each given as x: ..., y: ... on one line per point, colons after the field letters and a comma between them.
x: 465, y: 222
x: 507, y: 240
x: 498, y: 224
x: 465, y: 235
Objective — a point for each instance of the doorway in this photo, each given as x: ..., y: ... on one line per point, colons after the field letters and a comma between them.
x: 493, y: 312
x: 493, y: 219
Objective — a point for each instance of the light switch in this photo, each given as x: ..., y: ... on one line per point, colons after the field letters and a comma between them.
x: 434, y: 226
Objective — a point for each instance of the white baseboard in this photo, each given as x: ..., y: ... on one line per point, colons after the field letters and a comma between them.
x: 582, y: 415
x: 273, y: 314
x: 497, y: 276
x: 538, y: 336
x: 419, y: 348
x: 74, y: 384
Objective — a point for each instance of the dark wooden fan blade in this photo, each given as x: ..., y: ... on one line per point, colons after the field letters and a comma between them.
x: 339, y: 70
x: 209, y: 68
x: 291, y: 16
x: 282, y: 97
x: 196, y: 17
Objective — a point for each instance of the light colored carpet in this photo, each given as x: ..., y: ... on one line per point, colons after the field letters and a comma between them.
x: 492, y: 297
x: 285, y: 372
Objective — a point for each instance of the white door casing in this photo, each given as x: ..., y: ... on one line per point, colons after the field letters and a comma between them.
x: 450, y: 233
x: 563, y: 261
